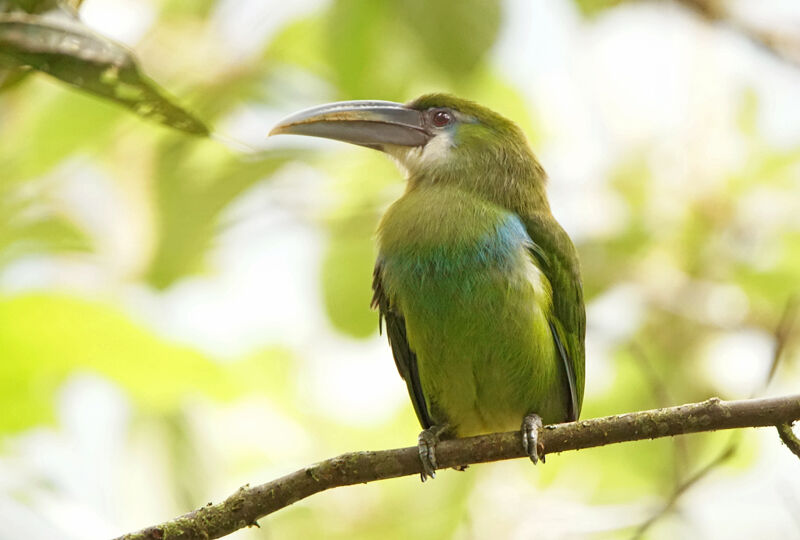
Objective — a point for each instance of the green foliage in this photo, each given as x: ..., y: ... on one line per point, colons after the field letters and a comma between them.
x: 353, y: 30
x: 32, y: 6
x: 455, y: 35
x: 40, y: 234
x: 46, y: 119
x: 371, y: 47
x: 45, y: 338
x: 183, y: 9
x: 668, y: 247
x: 196, y: 180
x: 31, y: 220
x: 347, y: 277
x: 594, y: 7
x: 436, y: 515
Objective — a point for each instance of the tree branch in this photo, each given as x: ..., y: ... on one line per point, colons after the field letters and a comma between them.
x: 789, y: 438
x: 785, y: 47
x: 249, y: 504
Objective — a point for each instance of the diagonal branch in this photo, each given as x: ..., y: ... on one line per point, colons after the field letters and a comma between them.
x: 249, y: 504
x: 723, y: 456
x: 783, y: 46
x: 784, y: 333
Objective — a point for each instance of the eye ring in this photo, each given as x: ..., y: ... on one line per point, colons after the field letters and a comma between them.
x: 441, y: 118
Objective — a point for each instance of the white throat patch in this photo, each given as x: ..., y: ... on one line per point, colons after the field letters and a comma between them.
x: 414, y: 158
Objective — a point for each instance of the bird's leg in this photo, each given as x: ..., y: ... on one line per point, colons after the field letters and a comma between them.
x: 426, y: 443
x: 531, y: 427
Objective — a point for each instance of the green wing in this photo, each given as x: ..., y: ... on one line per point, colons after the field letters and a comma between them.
x: 558, y: 260
x: 404, y: 357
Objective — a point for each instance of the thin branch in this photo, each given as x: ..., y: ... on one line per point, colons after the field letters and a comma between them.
x: 661, y: 391
x: 783, y: 334
x: 785, y: 47
x: 249, y: 504
x: 723, y: 456
x: 789, y: 438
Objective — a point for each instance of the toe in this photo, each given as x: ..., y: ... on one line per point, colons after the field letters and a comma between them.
x: 427, y: 454
x: 531, y: 426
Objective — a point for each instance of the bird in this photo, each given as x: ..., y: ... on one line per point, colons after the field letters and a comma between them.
x: 477, y: 285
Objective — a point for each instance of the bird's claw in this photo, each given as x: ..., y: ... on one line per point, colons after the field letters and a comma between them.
x: 531, y: 426
x: 426, y: 443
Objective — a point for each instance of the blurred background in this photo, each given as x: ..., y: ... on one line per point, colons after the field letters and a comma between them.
x: 181, y: 315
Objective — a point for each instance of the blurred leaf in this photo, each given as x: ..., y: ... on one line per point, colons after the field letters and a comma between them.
x: 68, y: 50
x: 594, y: 7
x: 196, y: 180
x: 60, y: 123
x: 45, y: 338
x: 347, y: 276
x: 360, y: 185
x: 299, y: 44
x: 34, y: 6
x: 358, y: 33
x: 50, y: 234
x: 768, y: 288
x: 31, y: 221
x: 440, y: 514
x: 455, y: 34
x: 269, y: 372
x: 185, y: 8
x: 382, y: 48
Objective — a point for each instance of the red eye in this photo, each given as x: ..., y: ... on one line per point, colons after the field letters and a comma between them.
x: 441, y: 118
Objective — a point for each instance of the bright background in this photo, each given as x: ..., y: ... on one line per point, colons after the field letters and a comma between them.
x: 181, y: 316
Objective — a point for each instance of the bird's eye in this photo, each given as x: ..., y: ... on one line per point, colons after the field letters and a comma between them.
x: 441, y: 118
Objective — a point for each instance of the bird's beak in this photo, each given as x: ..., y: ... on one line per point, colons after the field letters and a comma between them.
x: 374, y: 124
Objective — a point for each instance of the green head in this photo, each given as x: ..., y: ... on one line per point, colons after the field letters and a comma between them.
x: 437, y: 138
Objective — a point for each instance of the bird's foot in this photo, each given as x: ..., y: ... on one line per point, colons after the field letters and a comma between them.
x: 531, y: 427
x: 426, y: 443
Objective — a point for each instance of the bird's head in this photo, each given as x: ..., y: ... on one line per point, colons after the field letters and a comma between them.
x: 437, y: 136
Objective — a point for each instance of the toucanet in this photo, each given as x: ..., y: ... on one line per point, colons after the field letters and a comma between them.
x: 477, y: 285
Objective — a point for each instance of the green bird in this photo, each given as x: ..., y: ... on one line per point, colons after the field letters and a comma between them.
x: 477, y: 284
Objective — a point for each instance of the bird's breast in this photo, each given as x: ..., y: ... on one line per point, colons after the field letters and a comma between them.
x: 447, y: 247
x: 445, y: 231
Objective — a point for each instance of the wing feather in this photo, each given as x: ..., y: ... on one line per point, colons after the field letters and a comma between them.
x: 404, y: 357
x: 557, y: 258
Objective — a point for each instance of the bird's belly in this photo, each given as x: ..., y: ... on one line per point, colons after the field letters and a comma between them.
x: 479, y: 327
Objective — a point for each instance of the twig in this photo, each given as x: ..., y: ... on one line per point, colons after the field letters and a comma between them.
x: 783, y: 335
x: 789, y: 438
x: 249, y: 504
x: 723, y: 456
x: 784, y: 47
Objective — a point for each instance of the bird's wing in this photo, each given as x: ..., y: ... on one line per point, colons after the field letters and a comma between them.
x: 557, y: 258
x: 404, y: 357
